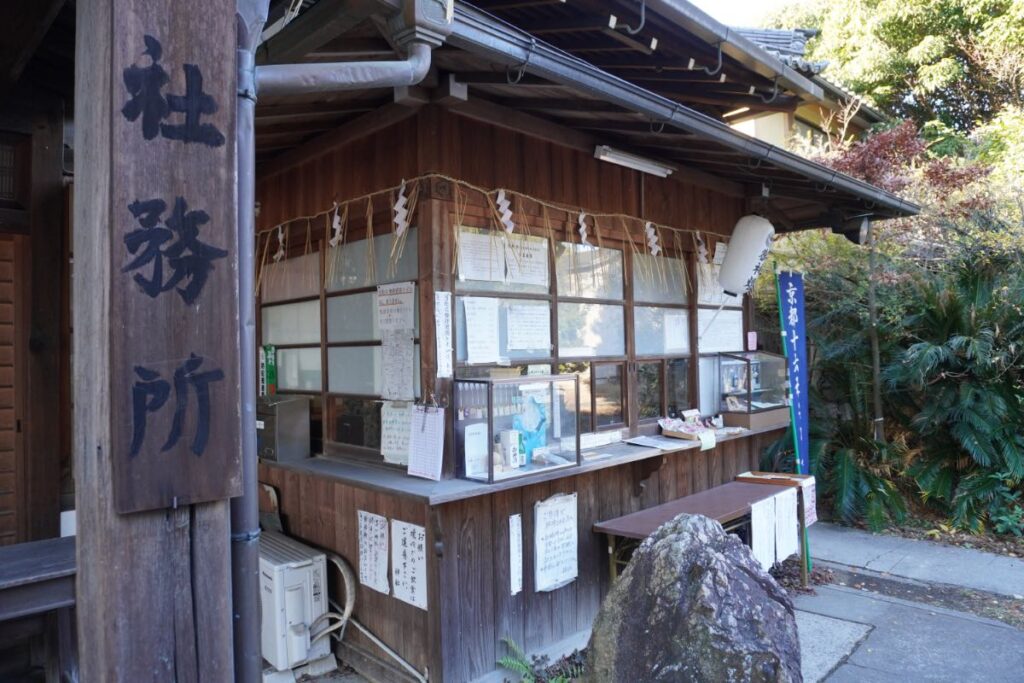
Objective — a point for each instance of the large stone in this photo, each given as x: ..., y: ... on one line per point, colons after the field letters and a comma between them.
x: 694, y: 605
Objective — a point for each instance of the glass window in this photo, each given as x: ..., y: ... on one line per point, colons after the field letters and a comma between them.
x: 292, y: 278
x: 297, y: 323
x: 356, y: 421
x: 678, y: 384
x: 583, y: 370
x: 351, y: 265
x: 661, y: 331
x: 521, y: 333
x: 586, y: 330
x: 503, y: 372
x: 357, y: 370
x: 648, y: 386
x: 299, y: 369
x: 353, y: 317
x: 719, y: 330
x: 659, y: 279
x: 608, y: 394
x: 589, y: 272
x: 709, y: 292
x: 708, y: 369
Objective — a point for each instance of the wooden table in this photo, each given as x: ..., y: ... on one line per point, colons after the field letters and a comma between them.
x: 37, y: 578
x: 728, y: 504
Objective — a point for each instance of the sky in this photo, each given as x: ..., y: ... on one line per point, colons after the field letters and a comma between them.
x: 740, y: 12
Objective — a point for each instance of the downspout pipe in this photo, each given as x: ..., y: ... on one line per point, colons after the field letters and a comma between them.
x: 245, y: 517
x: 289, y: 80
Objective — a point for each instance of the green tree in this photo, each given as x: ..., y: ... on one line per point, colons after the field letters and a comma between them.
x: 950, y: 64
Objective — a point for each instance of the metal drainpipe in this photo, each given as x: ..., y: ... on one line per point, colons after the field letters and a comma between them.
x: 245, y: 516
x: 277, y: 80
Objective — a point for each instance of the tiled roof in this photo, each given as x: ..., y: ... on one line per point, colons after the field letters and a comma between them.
x: 788, y: 45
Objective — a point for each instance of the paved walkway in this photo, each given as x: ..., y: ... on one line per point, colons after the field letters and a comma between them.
x: 857, y: 635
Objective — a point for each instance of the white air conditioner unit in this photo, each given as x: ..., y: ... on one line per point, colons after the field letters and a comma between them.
x: 293, y: 592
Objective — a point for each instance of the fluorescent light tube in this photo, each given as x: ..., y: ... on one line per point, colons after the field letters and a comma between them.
x: 637, y: 163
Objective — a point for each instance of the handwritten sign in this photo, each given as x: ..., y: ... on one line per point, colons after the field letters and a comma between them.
x: 808, y: 489
x: 373, y: 552
x: 409, y: 562
x: 395, y: 418
x: 529, y: 327
x: 426, y: 442
x: 443, y: 333
x: 174, y: 382
x: 515, y: 553
x: 481, y: 329
x: 676, y: 332
x: 556, y: 542
x: 397, y: 365
x: 526, y: 260
x: 481, y: 256
x: 395, y: 306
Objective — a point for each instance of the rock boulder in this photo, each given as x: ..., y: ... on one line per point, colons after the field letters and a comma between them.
x: 694, y: 605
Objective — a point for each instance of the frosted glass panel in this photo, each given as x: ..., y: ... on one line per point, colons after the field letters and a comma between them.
x: 661, y: 331
x: 590, y: 330
x: 523, y: 263
x: 588, y: 272
x: 659, y: 279
x: 349, y: 266
x: 724, y: 334
x: 708, y: 370
x: 292, y: 278
x: 709, y: 292
x: 356, y: 370
x: 353, y: 317
x: 517, y: 307
x: 292, y: 323
x: 298, y: 369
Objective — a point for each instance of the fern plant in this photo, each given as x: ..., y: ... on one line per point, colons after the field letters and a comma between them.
x: 536, y: 669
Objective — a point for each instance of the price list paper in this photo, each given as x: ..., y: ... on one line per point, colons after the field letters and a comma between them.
x: 395, y: 306
x: 395, y: 418
x: 409, y: 563
x: 556, y: 542
x: 443, y: 333
x: 373, y: 552
x: 426, y: 442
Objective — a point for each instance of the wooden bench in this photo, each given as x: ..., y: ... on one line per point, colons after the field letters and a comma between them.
x: 728, y: 504
x: 38, y: 578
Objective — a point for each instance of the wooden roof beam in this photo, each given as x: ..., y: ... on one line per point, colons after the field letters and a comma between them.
x: 21, y: 33
x: 318, y: 25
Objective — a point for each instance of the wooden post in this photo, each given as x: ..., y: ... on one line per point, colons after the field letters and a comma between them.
x: 156, y: 338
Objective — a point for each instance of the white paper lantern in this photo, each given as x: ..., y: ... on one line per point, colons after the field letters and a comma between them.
x: 748, y: 249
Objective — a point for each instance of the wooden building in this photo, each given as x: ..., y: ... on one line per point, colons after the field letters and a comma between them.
x: 523, y: 105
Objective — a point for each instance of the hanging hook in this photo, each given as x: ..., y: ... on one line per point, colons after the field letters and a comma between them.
x: 520, y: 70
x: 775, y: 92
x: 657, y: 128
x: 714, y: 72
x: 643, y: 20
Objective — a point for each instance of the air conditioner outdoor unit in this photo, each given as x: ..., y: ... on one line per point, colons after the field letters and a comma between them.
x: 293, y: 593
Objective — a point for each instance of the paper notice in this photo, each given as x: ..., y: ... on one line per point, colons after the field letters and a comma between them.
x: 787, y: 525
x: 397, y: 365
x: 481, y: 256
x: 443, y: 333
x: 676, y: 331
x: 724, y: 334
x: 707, y: 439
x: 426, y: 442
x: 526, y: 258
x: 556, y: 542
x: 373, y: 552
x: 394, y: 431
x: 709, y: 292
x: 762, y: 532
x: 481, y: 329
x: 475, y: 442
x: 808, y: 489
x: 721, y: 249
x: 515, y: 553
x: 529, y: 327
x: 409, y: 562
x: 395, y: 306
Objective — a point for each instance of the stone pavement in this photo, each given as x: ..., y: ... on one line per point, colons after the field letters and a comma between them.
x: 857, y: 635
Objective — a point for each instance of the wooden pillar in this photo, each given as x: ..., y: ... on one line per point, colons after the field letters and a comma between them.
x: 155, y: 338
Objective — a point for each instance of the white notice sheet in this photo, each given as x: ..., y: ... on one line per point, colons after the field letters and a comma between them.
x: 426, y: 442
x: 397, y: 365
x: 481, y: 329
x: 556, y: 542
x: 808, y: 488
x: 762, y: 532
x: 409, y: 562
x: 443, y: 333
x: 481, y: 256
x: 515, y: 553
x: 527, y: 260
x: 395, y: 306
x: 787, y: 525
x: 394, y: 431
x: 373, y: 552
x: 676, y: 332
x: 529, y: 327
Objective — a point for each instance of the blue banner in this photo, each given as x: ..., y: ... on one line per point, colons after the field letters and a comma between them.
x: 794, y: 342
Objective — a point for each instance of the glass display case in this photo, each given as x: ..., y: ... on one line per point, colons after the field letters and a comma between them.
x: 753, y: 389
x: 508, y: 428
